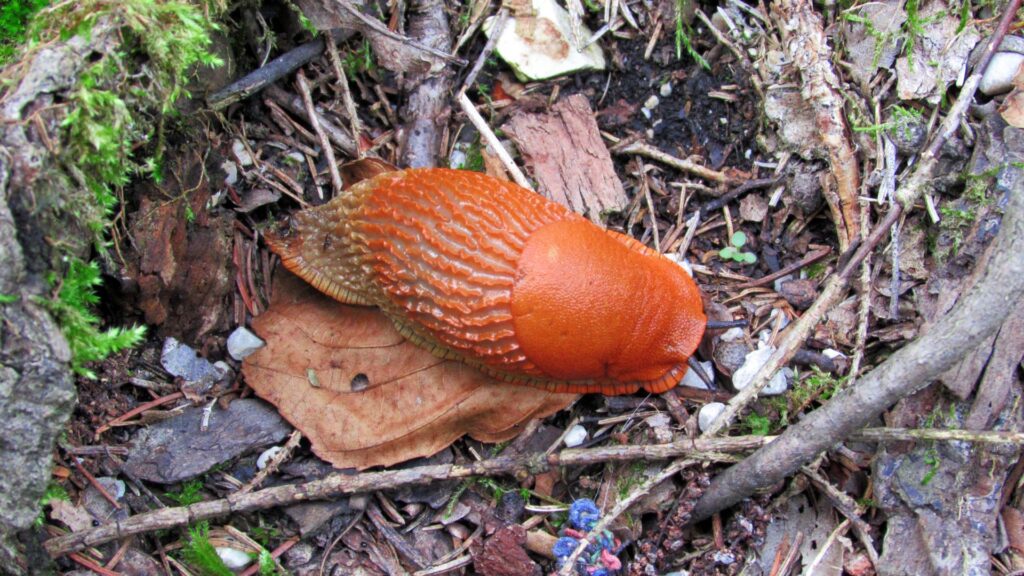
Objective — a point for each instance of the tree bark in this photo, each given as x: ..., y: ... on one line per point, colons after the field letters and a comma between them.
x: 38, y: 203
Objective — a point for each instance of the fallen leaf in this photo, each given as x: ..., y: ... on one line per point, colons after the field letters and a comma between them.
x: 1012, y: 109
x: 365, y: 396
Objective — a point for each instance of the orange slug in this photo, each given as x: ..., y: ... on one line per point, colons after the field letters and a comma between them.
x: 480, y: 270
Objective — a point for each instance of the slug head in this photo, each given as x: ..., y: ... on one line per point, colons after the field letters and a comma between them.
x: 589, y: 304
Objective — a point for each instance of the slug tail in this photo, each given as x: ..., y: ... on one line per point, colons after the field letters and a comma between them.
x: 289, y: 247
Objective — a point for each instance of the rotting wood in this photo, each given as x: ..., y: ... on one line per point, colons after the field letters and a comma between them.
x: 426, y: 109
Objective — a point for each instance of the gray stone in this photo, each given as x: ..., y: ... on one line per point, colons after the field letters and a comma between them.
x: 242, y: 343
x: 182, y: 361
x: 178, y: 449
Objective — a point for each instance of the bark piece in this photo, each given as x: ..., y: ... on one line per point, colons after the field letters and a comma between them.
x: 1000, y: 372
x: 178, y: 449
x: 569, y: 160
x: 503, y: 554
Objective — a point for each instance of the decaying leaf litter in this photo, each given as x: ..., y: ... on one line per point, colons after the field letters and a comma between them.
x: 830, y: 177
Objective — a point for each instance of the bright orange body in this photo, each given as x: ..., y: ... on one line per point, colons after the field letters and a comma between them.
x: 483, y: 271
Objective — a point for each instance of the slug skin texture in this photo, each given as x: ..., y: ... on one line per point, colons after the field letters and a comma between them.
x: 480, y: 270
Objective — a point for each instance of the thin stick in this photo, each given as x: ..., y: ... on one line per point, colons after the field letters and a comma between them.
x: 355, y: 125
x: 325, y: 144
x: 653, y: 153
x: 481, y: 125
x: 336, y: 484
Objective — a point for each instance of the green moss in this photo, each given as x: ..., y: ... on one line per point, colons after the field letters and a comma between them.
x: 190, y: 493
x: 200, y: 553
x: 72, y: 307
x: 15, y: 16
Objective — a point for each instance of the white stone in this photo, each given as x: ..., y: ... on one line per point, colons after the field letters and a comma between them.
x: 658, y: 420
x: 692, y: 380
x: 231, y: 172
x: 554, y: 54
x: 665, y: 90
x: 651, y: 103
x: 242, y: 343
x: 232, y: 558
x: 267, y: 456
x: 732, y: 334
x: 575, y: 436
x: 755, y: 359
x: 241, y: 154
x: 708, y: 413
x: 832, y: 353
x: 999, y: 75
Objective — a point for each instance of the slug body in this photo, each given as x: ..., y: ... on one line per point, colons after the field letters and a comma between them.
x: 483, y: 271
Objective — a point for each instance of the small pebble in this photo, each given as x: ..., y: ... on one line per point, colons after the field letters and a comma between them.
x: 243, y: 343
x: 231, y: 172
x: 232, y: 558
x: 732, y: 334
x: 743, y: 376
x: 267, y: 456
x: 691, y: 380
x: 666, y: 90
x: 651, y: 103
x: 576, y: 436
x: 832, y: 353
x: 999, y: 75
x: 708, y: 413
x: 241, y: 154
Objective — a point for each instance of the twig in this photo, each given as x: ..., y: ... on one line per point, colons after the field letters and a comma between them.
x: 653, y: 153
x: 295, y: 105
x: 788, y: 269
x: 274, y: 463
x: 355, y: 125
x: 848, y: 508
x: 481, y: 125
x: 737, y: 52
x: 696, y: 450
x: 325, y: 144
x: 274, y: 70
x: 138, y: 410
x: 499, y: 26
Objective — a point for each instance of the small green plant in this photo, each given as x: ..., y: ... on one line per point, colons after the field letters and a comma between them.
x: 73, y: 309
x: 474, y: 157
x: 757, y: 424
x: 881, y: 38
x: 190, y: 493
x: 359, y: 60
x: 914, y: 27
x: 902, y: 119
x: 53, y: 492
x: 732, y: 252
x: 201, y: 554
x: 266, y: 564
x: 8, y: 298
x: 631, y: 478
x: 683, y: 33
x: 816, y: 270
x: 954, y: 222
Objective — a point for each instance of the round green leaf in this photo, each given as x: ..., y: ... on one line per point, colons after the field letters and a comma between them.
x: 728, y: 253
x: 748, y: 257
x: 738, y: 239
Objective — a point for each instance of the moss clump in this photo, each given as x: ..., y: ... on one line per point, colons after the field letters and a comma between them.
x: 73, y: 309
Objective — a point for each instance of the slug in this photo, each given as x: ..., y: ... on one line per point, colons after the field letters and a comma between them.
x: 483, y: 271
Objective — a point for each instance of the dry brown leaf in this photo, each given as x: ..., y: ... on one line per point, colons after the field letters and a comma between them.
x: 365, y: 396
